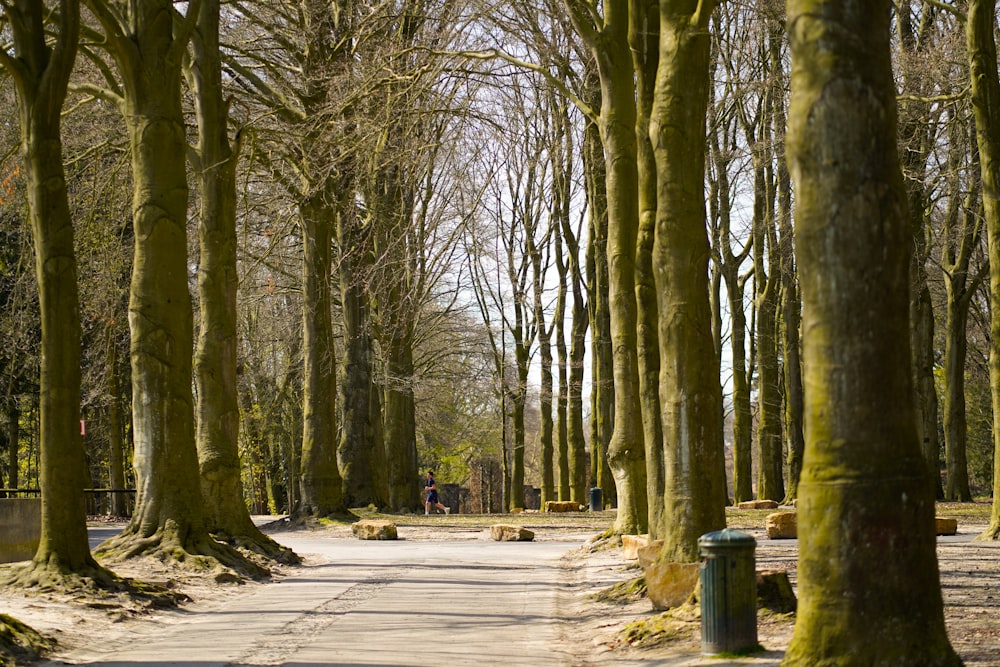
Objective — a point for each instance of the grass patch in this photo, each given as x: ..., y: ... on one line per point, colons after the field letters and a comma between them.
x: 624, y: 592
x: 976, y: 512
x: 671, y: 626
x: 19, y: 643
x: 756, y: 648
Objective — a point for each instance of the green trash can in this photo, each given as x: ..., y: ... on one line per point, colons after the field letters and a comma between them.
x: 596, y: 503
x: 728, y: 592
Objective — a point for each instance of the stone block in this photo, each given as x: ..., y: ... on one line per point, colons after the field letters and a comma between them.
x: 774, y: 591
x: 374, y: 529
x: 649, y: 553
x: 946, y: 526
x: 669, y: 585
x: 782, y: 526
x: 631, y: 545
x: 758, y: 505
x: 20, y: 528
x: 503, y: 532
x: 562, y: 506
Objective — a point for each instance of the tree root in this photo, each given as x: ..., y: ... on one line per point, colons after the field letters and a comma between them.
x: 991, y: 534
x: 260, y: 547
x: 199, y: 554
x: 91, y: 583
x: 20, y: 643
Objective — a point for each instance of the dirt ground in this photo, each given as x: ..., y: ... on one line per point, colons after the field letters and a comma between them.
x: 970, y: 579
x: 970, y: 575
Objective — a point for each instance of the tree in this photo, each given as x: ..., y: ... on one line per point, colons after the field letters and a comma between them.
x: 985, y: 85
x: 169, y: 517
x: 865, y: 486
x: 41, y: 73
x: 215, y: 360
x: 305, y: 153
x: 727, y: 263
x: 606, y: 34
x: 690, y: 393
x: 961, y: 242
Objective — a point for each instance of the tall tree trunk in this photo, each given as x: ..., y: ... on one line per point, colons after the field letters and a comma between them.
x: 545, y: 385
x: 116, y: 441
x: 728, y: 265
x: 169, y: 518
x: 626, y: 450
x: 217, y: 408
x: 790, y: 306
x: 959, y: 241
x: 690, y: 394
x: 644, y: 44
x: 574, y: 408
x: 41, y: 72
x: 864, y: 488
x: 356, y: 452
x: 562, y: 479
x: 770, y: 482
x: 917, y: 143
x: 985, y: 83
x: 575, y: 436
x: 320, y: 484
x: 602, y: 407
x: 955, y: 425
x: 400, y: 426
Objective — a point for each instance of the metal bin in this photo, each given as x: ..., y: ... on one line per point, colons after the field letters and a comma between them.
x: 728, y: 592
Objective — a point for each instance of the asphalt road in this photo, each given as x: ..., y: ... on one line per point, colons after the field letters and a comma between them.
x: 387, y: 604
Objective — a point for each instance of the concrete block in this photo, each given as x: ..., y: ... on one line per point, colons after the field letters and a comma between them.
x: 20, y: 528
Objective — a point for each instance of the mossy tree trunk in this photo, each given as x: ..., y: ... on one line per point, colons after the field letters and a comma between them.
x: 609, y: 45
x: 643, y: 39
x: 356, y: 453
x: 602, y: 408
x: 401, y: 271
x: 215, y: 357
x: 789, y: 304
x: 544, y: 335
x: 519, y: 399
x: 323, y: 199
x: 767, y: 278
x: 962, y: 236
x: 690, y: 393
x: 865, y: 488
x: 985, y: 83
x: 581, y: 320
x: 116, y: 430
x: 728, y: 265
x: 400, y: 425
x: 562, y: 479
x: 148, y: 43
x: 40, y: 72
x: 320, y: 484
x: 916, y: 131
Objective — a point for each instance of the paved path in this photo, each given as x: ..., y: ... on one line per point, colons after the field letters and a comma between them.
x: 387, y: 604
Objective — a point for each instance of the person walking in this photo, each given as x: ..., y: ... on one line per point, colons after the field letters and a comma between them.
x: 430, y: 488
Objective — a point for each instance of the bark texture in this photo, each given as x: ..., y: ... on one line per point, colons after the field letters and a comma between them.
x: 215, y: 358
x: 690, y: 394
x: 864, y: 490
x: 41, y: 72
x: 985, y: 82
